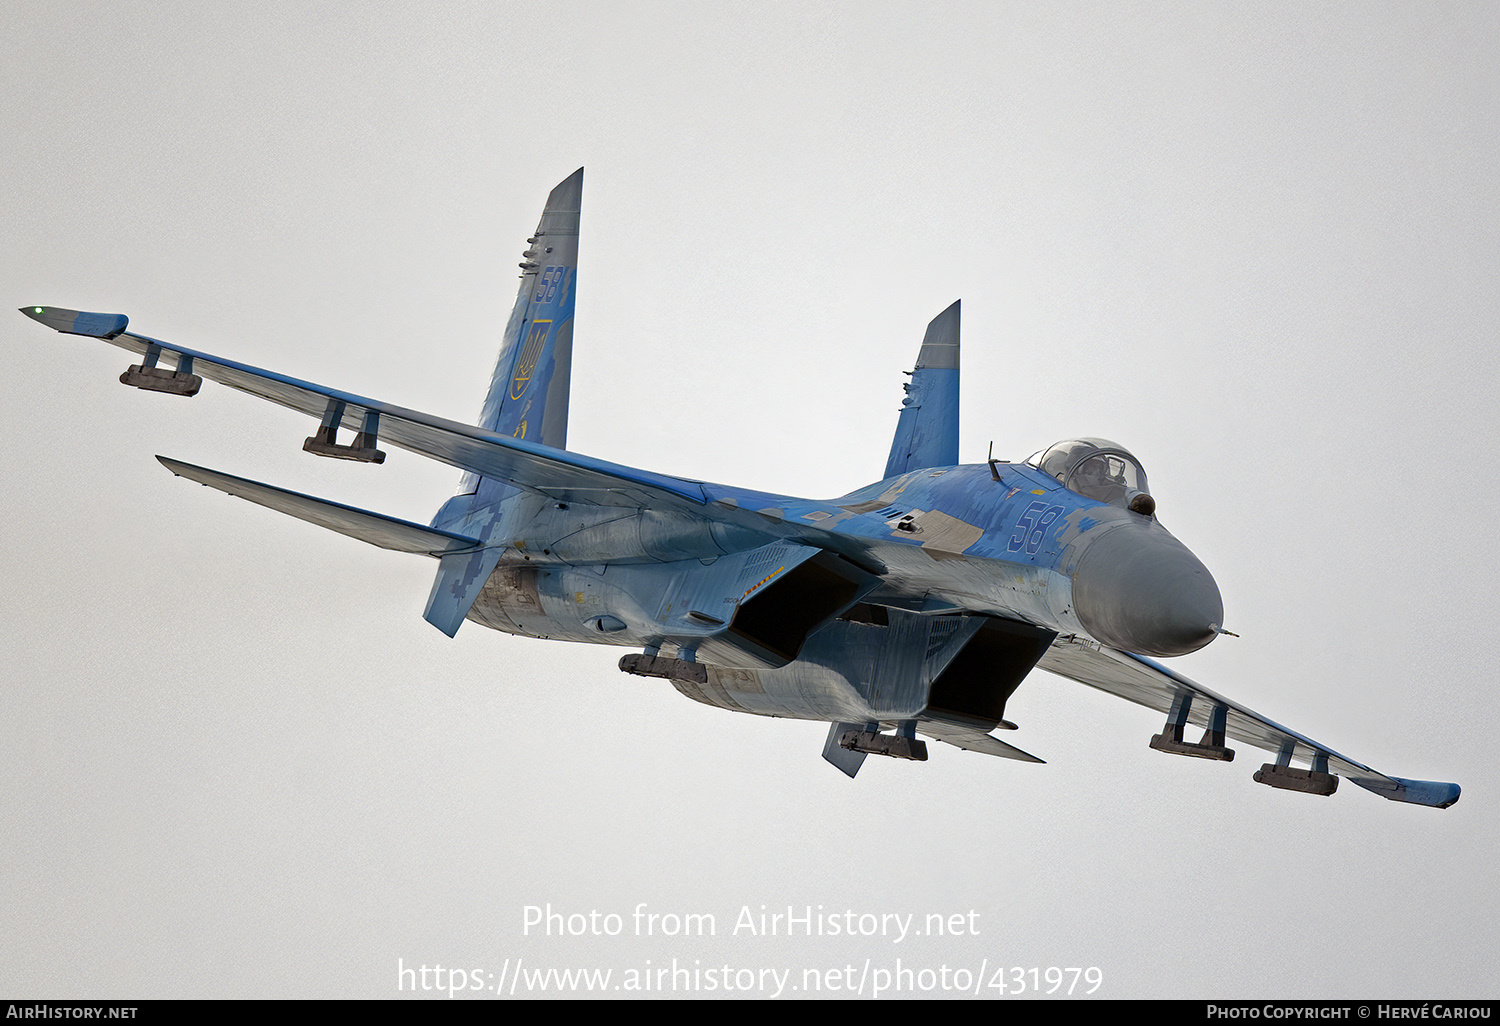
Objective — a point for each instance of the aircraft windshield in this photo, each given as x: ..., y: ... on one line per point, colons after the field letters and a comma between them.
x: 1096, y: 468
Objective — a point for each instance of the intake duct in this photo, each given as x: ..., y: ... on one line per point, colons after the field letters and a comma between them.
x: 981, y: 677
x: 769, y: 628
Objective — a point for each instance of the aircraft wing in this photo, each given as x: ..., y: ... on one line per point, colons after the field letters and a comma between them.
x: 556, y: 473
x: 1148, y: 683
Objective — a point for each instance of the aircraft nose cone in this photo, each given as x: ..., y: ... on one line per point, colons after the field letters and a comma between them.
x: 1139, y: 589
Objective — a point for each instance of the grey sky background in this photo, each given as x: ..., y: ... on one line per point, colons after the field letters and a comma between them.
x: 1255, y: 243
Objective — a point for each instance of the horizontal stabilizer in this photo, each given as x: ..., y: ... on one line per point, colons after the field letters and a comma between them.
x: 374, y: 528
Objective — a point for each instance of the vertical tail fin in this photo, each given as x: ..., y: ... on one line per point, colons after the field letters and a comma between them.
x: 528, y: 396
x: 927, y: 433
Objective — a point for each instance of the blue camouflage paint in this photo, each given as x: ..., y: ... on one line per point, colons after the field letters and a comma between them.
x: 894, y: 582
x: 528, y: 393
x: 527, y: 398
x: 927, y: 430
x: 77, y: 322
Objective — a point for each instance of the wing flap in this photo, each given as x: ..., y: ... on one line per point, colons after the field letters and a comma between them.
x: 1148, y: 683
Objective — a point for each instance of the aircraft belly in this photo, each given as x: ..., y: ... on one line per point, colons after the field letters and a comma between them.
x: 559, y: 603
x: 767, y: 693
x: 864, y: 672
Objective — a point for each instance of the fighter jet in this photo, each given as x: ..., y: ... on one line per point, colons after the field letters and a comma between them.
x: 916, y: 605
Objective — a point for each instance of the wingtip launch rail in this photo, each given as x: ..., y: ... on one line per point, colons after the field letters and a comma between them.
x: 916, y: 605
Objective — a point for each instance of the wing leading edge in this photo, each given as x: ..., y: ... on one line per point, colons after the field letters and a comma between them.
x: 556, y: 473
x: 1148, y: 683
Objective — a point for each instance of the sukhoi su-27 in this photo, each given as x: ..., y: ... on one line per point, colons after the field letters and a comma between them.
x: 911, y: 608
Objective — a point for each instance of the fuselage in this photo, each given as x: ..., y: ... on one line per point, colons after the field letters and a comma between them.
x: 1003, y: 540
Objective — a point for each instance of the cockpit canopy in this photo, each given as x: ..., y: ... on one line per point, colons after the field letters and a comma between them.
x: 1096, y: 468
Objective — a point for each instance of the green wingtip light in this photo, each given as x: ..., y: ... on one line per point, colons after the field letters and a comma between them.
x: 36, y: 309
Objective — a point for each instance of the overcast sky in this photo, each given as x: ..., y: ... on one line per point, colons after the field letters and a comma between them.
x: 1255, y: 243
